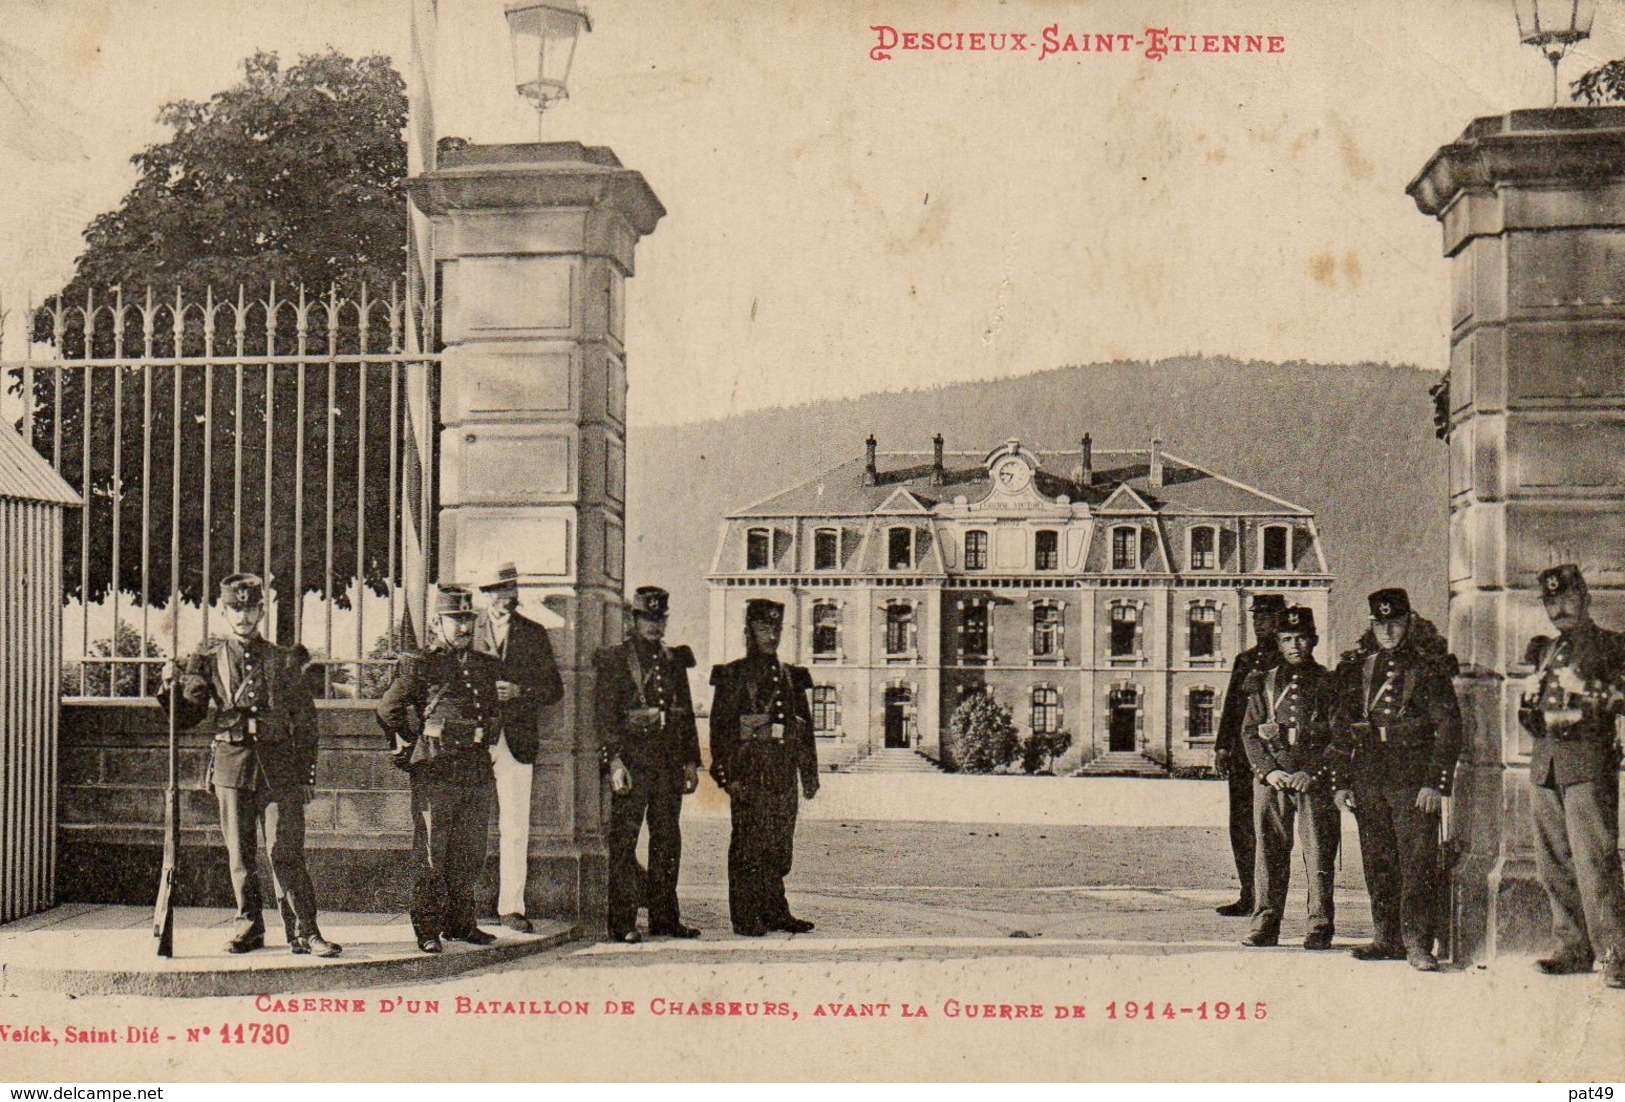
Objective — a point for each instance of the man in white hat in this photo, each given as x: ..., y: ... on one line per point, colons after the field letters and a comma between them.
x: 527, y: 681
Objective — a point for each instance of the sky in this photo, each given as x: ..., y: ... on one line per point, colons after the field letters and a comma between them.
x: 838, y: 224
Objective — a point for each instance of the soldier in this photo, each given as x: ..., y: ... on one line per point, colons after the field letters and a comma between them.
x: 761, y: 739
x: 1574, y: 777
x: 439, y: 712
x: 263, y: 720
x: 1229, y: 755
x: 1288, y: 736
x: 527, y: 681
x: 652, y: 750
x: 1398, y: 720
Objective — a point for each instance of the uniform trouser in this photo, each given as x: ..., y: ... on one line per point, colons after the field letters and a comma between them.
x: 1577, y: 854
x: 762, y: 841
x: 1274, y: 813
x: 243, y: 813
x: 513, y: 782
x: 449, y: 824
x: 1399, y: 847
x: 1243, y: 839
x: 657, y: 795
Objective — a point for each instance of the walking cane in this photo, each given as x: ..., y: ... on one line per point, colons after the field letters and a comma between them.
x: 163, y: 915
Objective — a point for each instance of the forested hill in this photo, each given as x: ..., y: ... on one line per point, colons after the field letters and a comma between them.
x: 1354, y: 443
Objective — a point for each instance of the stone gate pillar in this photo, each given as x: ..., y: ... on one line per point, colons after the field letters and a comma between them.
x: 532, y: 247
x: 1533, y: 210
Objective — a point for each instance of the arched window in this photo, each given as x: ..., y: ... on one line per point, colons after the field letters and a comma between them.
x: 1277, y: 547
x: 1125, y: 548
x: 826, y: 632
x: 976, y: 550
x: 826, y: 549
x: 826, y: 709
x: 1046, y: 709
x: 758, y: 549
x: 1201, y: 707
x: 899, y: 629
x: 973, y: 630
x: 1047, y: 550
x: 1046, y: 630
x: 1204, y: 548
x: 1125, y: 630
x: 1203, y: 627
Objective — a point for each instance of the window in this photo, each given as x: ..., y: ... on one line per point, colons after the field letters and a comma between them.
x: 1125, y: 631
x: 758, y: 549
x: 1125, y: 548
x: 826, y: 632
x: 1046, y: 704
x: 1277, y: 547
x: 899, y: 629
x: 1047, y: 551
x: 1204, y: 631
x: 1046, y: 631
x: 976, y: 550
x: 826, y: 709
x: 1204, y: 548
x: 1201, y: 713
x: 900, y: 548
x: 973, y: 643
x: 826, y: 549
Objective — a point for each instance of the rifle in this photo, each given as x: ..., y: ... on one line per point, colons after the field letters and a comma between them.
x: 163, y: 913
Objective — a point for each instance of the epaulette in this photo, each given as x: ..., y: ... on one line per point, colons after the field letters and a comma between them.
x: 718, y: 675
x: 1536, y: 647
x: 682, y: 657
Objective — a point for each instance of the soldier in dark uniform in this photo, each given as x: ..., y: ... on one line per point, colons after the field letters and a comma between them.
x: 652, y: 751
x: 761, y: 740
x: 260, y: 712
x: 1288, y: 735
x: 1574, y: 774
x: 439, y: 713
x: 1230, y: 756
x: 1398, y: 720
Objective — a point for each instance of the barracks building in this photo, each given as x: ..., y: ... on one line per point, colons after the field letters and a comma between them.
x: 1102, y: 593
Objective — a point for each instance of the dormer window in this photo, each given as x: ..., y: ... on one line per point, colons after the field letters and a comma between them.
x: 826, y: 549
x: 1047, y: 550
x: 900, y: 549
x: 1204, y: 548
x: 976, y: 550
x: 1277, y: 553
x: 1125, y: 548
x: 758, y: 549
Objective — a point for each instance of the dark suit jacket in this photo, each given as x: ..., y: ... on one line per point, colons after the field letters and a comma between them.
x: 528, y: 662
x: 739, y: 683
x: 679, y: 741
x: 279, y: 702
x: 1590, y: 750
x: 458, y: 692
x: 1234, y: 710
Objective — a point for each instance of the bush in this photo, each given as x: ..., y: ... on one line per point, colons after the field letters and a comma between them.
x: 1040, y: 749
x: 984, y: 738
x: 114, y: 679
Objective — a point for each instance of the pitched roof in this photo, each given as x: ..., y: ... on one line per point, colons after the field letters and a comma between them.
x: 26, y: 476
x: 1186, y: 487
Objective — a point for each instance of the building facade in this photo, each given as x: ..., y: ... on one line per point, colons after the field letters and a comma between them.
x: 1093, y: 592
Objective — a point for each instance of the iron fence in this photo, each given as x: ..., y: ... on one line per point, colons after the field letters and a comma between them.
x: 285, y: 435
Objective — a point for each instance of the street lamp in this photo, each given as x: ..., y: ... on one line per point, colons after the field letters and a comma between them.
x: 544, y: 44
x: 1552, y: 26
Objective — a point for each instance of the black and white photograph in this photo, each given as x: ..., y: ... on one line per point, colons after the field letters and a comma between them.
x: 849, y: 541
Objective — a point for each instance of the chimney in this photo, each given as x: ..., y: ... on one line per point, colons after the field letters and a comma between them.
x: 1087, y: 478
x: 870, y: 474
x: 939, y: 474
x: 1154, y: 479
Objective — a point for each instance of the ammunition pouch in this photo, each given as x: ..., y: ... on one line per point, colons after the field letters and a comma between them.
x: 760, y: 727
x: 645, y: 721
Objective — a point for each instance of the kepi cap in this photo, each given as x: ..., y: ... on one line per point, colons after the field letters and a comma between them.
x: 1268, y: 602
x: 453, y: 600
x: 242, y: 591
x: 760, y: 610
x: 1298, y: 619
x: 650, y: 601
x: 1562, y: 579
x: 1389, y: 604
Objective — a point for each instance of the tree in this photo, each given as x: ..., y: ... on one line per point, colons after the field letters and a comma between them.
x: 984, y: 738
x: 292, y: 180
x: 1604, y: 84
x: 122, y: 679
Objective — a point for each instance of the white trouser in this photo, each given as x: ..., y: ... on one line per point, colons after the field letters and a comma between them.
x: 513, y: 826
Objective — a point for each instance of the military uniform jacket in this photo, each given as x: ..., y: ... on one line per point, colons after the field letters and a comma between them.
x: 1588, y: 750
x: 1287, y: 723
x: 755, y: 685
x: 449, y: 691
x: 255, y: 702
x: 525, y: 659
x: 1253, y: 659
x: 635, y: 676
x: 1397, y: 718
